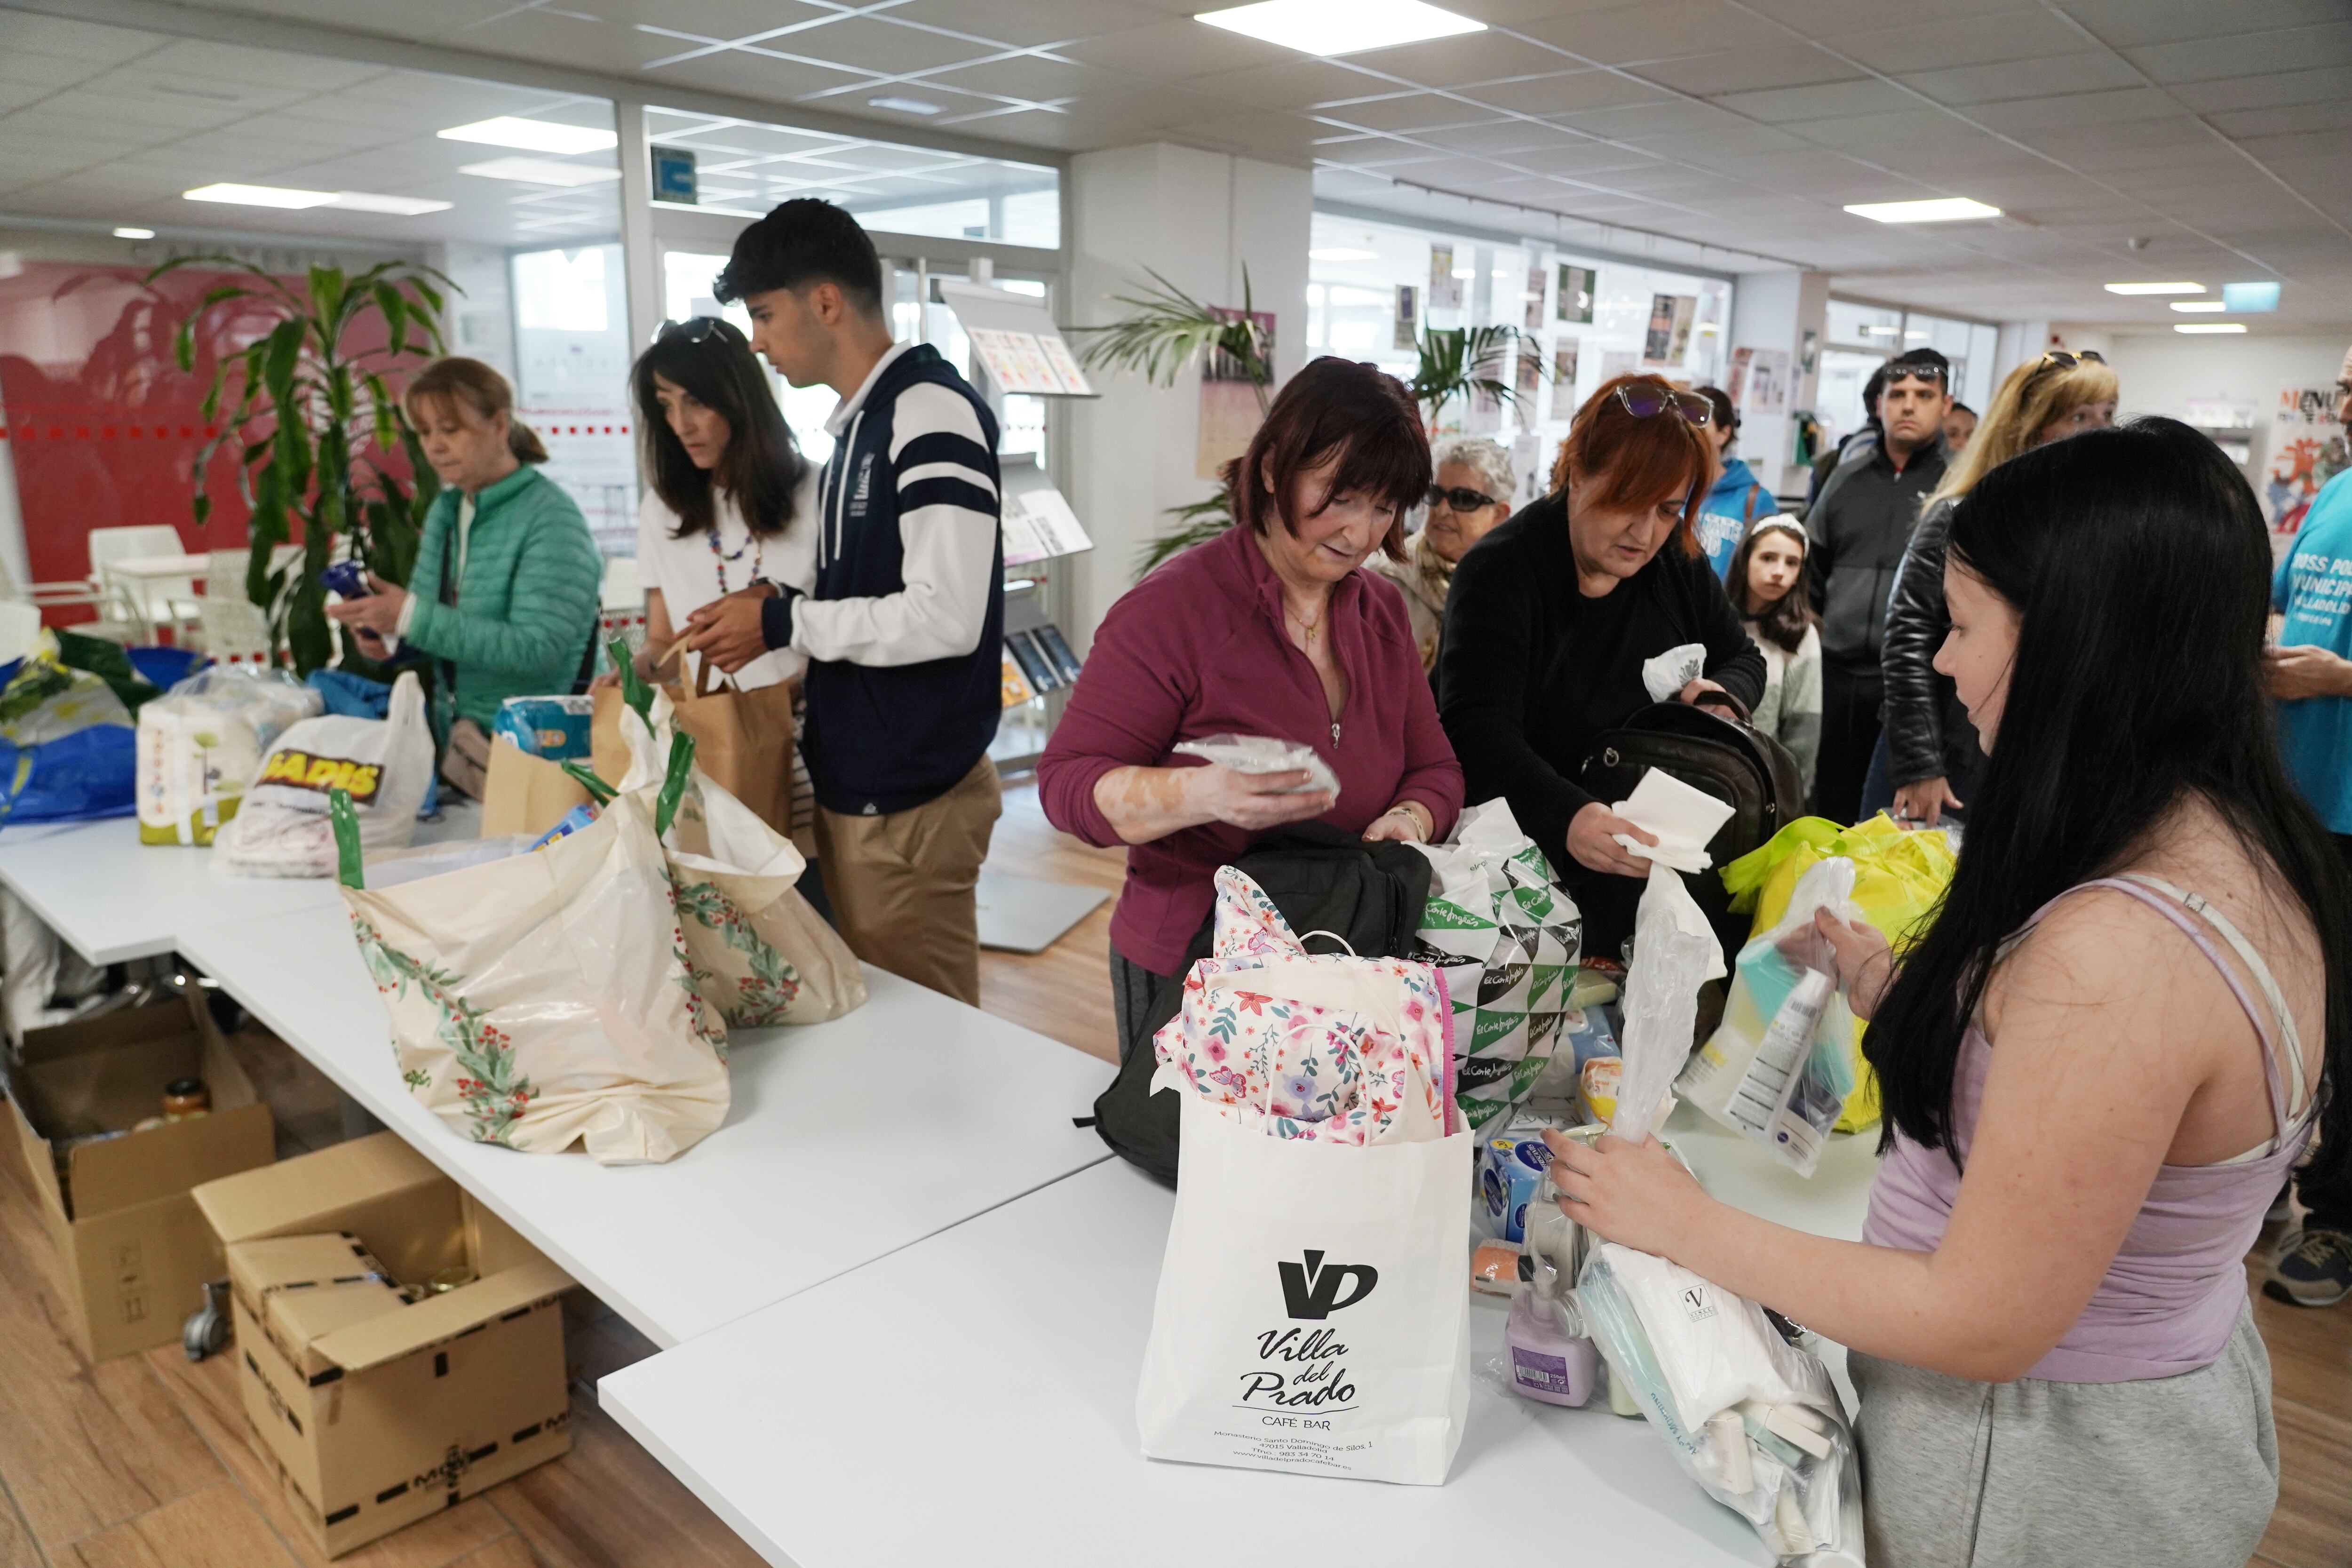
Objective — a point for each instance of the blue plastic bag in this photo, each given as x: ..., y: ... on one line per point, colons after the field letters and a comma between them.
x: 67, y: 750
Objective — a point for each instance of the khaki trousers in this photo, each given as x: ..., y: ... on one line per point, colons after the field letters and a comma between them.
x: 902, y: 885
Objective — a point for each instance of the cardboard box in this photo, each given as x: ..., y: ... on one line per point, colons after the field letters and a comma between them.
x: 378, y: 1414
x: 524, y: 794
x: 136, y: 1253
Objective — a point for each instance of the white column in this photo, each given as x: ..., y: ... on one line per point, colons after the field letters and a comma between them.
x: 1199, y: 219
x: 2019, y: 341
x: 1774, y: 311
x: 638, y: 257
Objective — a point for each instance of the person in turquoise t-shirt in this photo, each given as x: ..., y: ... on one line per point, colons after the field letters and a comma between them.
x: 2311, y: 677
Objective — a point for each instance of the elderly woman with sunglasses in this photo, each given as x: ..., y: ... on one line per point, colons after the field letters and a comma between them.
x: 1551, y: 620
x: 1471, y: 495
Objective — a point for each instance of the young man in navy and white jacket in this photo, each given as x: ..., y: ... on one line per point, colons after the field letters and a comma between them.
x: 904, y: 621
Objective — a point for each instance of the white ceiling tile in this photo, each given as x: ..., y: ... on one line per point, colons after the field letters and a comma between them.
x: 2055, y: 74
x: 73, y: 40
x: 2332, y: 114
x: 1565, y: 93
x: 1464, y: 58
x: 2028, y: 32
x: 2246, y: 53
x: 2030, y: 116
x: 2124, y: 24
x: 1820, y: 100
x: 1658, y: 29
x: 1174, y: 50
x: 1745, y: 70
x: 1026, y: 22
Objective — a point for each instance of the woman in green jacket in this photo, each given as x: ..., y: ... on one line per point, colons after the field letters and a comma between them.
x: 505, y: 589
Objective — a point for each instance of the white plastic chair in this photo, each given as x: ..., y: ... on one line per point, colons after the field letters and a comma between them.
x: 20, y: 628
x: 147, y: 605
x: 45, y: 596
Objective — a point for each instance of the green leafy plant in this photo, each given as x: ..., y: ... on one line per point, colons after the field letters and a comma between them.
x: 313, y: 421
x: 1462, y: 362
x: 1195, y: 524
x: 1168, y: 330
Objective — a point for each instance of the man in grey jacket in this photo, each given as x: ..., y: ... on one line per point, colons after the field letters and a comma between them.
x: 1859, y: 525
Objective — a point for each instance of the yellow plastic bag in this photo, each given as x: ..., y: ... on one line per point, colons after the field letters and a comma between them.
x: 1899, y: 881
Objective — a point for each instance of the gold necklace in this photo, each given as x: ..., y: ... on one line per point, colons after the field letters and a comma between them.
x: 1308, y: 629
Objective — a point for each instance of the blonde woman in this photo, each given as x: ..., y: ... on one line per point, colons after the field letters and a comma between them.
x: 1932, y: 760
x: 1471, y: 494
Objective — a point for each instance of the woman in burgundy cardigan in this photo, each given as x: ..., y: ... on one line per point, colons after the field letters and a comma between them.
x: 1269, y: 630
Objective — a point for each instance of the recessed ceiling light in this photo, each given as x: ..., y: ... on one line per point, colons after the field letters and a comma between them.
x: 1342, y: 252
x: 2215, y: 305
x: 532, y: 135
x: 539, y: 172
x: 1340, y: 26
x: 134, y: 234
x: 2209, y: 326
x: 2156, y: 288
x: 399, y: 206
x: 1941, y: 209
x: 904, y: 105
x: 2256, y: 297
x: 257, y: 195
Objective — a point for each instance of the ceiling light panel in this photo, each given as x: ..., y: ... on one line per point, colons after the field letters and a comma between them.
x: 2192, y: 306
x: 1942, y: 209
x: 398, y: 206
x: 134, y: 234
x: 539, y: 172
x: 2156, y: 288
x: 532, y: 135
x: 259, y: 196
x: 2209, y: 326
x: 1340, y: 26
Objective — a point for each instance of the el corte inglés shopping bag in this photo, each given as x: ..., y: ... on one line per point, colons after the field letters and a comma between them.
x: 1310, y: 1314
x: 543, y: 998
x: 1507, y: 939
x: 760, y: 954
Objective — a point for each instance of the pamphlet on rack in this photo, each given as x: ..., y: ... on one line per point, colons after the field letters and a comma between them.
x: 1038, y: 524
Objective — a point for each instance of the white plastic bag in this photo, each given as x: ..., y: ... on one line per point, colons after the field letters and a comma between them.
x: 1675, y: 951
x: 385, y: 764
x: 201, y: 746
x: 1506, y: 938
x: 1265, y: 754
x: 759, y: 953
x: 542, y: 999
x: 1778, y: 1068
x: 1754, y: 1420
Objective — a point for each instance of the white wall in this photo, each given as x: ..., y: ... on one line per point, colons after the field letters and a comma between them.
x: 1773, y: 311
x: 1197, y: 218
x: 2160, y: 372
x: 479, y: 323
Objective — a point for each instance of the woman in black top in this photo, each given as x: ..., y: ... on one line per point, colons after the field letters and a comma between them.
x: 1553, y: 614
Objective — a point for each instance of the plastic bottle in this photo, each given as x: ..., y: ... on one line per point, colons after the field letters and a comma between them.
x: 1548, y: 1363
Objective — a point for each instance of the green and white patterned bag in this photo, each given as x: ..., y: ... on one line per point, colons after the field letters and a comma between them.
x: 1507, y: 938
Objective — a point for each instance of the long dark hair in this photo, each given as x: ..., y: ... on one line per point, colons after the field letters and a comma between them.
x: 712, y: 364
x: 2137, y: 561
x: 1359, y: 415
x: 1787, y: 620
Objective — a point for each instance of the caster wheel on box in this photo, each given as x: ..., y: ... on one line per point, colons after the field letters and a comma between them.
x: 206, y: 1332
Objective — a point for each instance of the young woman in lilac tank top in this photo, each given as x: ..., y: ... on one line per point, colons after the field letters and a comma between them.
x: 2131, y: 1015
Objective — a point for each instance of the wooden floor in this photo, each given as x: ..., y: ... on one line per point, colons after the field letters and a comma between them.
x: 144, y: 1462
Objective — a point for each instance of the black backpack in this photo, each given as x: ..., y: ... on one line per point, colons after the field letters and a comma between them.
x: 1322, y: 878
x: 1737, y: 764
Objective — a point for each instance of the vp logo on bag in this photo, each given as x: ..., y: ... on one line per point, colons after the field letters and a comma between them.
x: 1311, y: 1292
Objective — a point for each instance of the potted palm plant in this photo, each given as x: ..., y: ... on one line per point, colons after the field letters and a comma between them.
x: 315, y: 422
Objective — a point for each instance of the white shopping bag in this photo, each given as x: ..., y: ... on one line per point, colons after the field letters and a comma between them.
x: 1311, y: 1316
x: 384, y: 766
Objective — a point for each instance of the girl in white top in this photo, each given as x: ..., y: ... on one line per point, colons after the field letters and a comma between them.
x: 1766, y: 581
x: 732, y: 501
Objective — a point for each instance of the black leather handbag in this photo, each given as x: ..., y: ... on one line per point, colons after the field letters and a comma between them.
x: 1740, y: 765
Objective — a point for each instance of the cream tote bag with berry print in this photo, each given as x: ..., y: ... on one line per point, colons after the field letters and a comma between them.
x: 543, y: 999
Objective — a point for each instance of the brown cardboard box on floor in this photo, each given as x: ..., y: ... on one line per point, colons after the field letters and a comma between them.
x: 136, y: 1254
x: 379, y: 1415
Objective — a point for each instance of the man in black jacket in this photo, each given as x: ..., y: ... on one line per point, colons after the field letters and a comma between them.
x: 1859, y: 526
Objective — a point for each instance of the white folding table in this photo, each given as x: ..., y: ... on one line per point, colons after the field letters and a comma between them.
x: 845, y: 1141
x: 971, y: 1400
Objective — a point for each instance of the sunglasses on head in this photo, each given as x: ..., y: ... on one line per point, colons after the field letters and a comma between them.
x: 1644, y: 401
x: 694, y: 328
x: 2063, y: 359
x: 1457, y: 496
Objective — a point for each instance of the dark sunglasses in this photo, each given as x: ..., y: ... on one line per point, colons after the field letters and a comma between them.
x: 694, y: 328
x: 2062, y: 359
x: 1644, y: 401
x: 1457, y: 496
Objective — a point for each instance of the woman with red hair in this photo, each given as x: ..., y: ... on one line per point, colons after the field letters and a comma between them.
x: 1553, y: 614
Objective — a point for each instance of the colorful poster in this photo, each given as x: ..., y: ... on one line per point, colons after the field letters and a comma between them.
x: 1563, y: 379
x: 1760, y: 381
x: 1575, y: 300
x: 1066, y: 364
x: 1528, y: 376
x: 1532, y: 319
x: 1678, y: 346
x: 1408, y: 318
x: 1445, y: 289
x: 1658, y: 343
x: 2307, y: 450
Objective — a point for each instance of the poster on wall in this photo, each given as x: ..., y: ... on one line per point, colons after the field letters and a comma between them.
x: 1678, y: 346
x: 1532, y: 319
x: 2307, y: 449
x: 1760, y: 381
x: 1563, y: 379
x: 1528, y: 376
x: 1575, y: 300
x: 1408, y: 318
x: 1229, y: 408
x: 1445, y: 289
x: 1660, y: 338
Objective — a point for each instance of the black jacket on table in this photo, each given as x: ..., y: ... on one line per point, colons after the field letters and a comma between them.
x: 1859, y: 526
x: 1530, y: 672
x: 1927, y: 731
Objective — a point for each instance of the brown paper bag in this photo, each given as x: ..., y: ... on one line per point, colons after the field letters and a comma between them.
x: 742, y: 740
x: 525, y: 793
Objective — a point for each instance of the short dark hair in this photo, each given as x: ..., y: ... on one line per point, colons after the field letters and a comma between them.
x: 1356, y: 417
x: 1959, y: 408
x: 712, y: 362
x: 801, y: 243
x: 1727, y: 418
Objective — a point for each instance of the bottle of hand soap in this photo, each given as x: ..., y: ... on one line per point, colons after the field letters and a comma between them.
x: 1547, y: 1362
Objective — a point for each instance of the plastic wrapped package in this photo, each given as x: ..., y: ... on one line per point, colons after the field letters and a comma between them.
x: 67, y: 747
x: 1754, y: 1420
x: 201, y: 745
x: 1265, y: 754
x: 384, y: 766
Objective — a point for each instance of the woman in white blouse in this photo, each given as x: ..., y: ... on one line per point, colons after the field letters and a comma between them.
x: 732, y: 497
